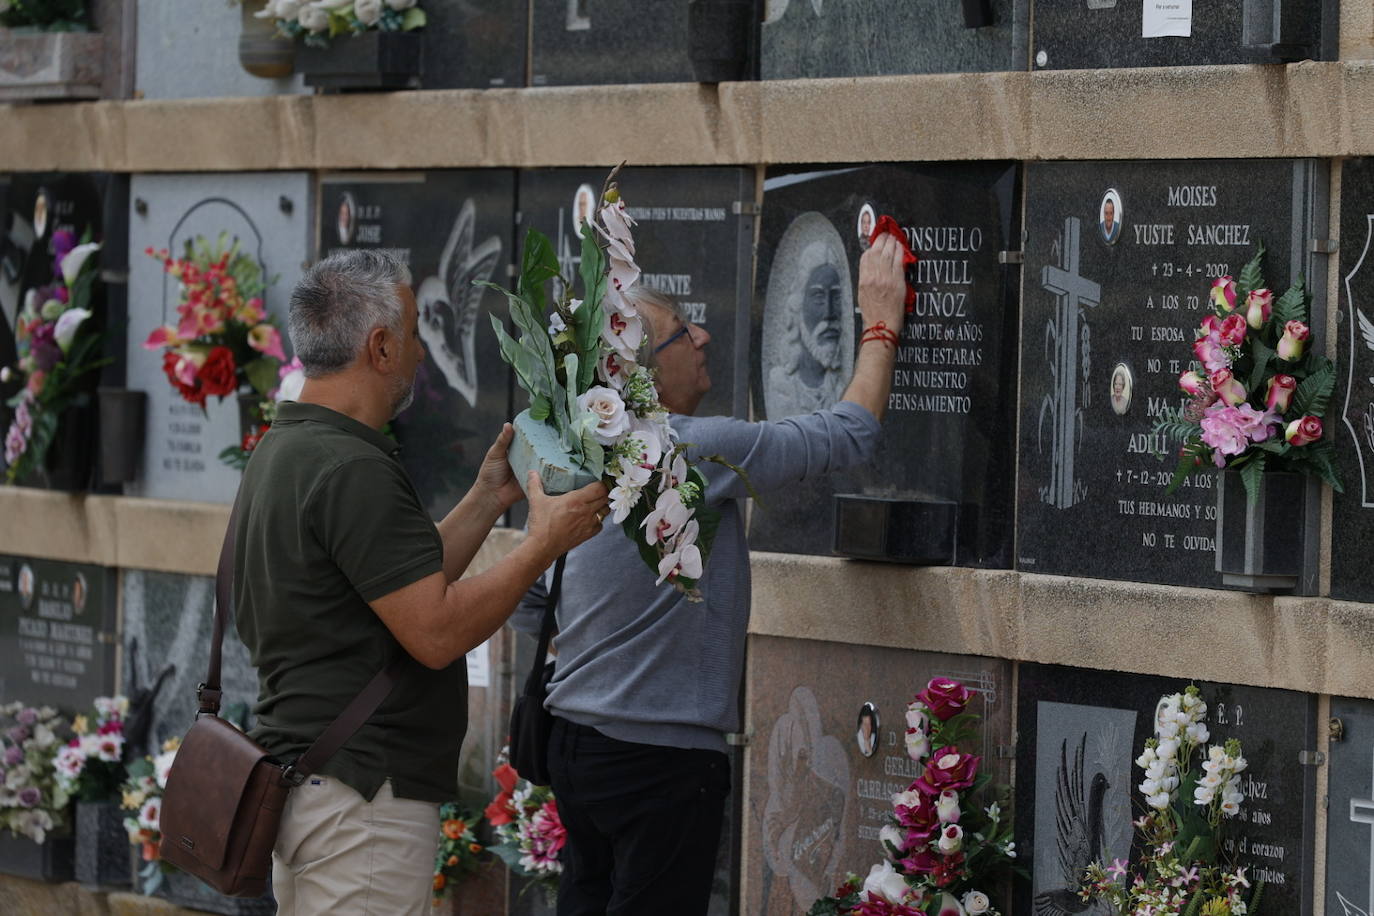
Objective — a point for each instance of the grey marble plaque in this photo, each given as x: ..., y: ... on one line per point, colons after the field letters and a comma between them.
x: 270, y: 215
x: 57, y: 632
x: 1108, y: 319
x: 167, y: 623
x: 189, y: 49
x: 818, y: 789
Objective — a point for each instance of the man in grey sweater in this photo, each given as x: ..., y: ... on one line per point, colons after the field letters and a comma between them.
x: 646, y: 686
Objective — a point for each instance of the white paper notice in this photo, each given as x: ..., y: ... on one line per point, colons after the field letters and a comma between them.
x: 479, y: 666
x: 1165, y: 18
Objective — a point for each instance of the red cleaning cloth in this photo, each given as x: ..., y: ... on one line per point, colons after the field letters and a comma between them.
x: 888, y: 225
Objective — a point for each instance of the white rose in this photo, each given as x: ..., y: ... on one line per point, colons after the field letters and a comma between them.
x: 947, y: 807
x: 908, y: 799
x: 951, y: 839
x: 368, y: 11
x: 884, y: 883
x: 892, y: 839
x: 313, y: 19
x: 917, y: 744
x: 288, y: 9
x: 400, y: 5
x: 976, y: 903
x: 612, y: 420
x: 918, y: 716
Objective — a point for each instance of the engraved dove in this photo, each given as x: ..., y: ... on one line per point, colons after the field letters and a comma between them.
x: 1348, y: 908
x: 450, y: 302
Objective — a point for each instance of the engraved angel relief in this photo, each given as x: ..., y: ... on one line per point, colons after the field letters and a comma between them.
x: 449, y: 303
x: 1067, y: 355
x: 1363, y: 329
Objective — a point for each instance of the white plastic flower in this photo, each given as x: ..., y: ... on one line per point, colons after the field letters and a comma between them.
x: 162, y: 765
x: 668, y: 516
x: 918, y: 716
x: 917, y: 744
x: 976, y: 903
x: 369, y: 12
x: 67, y: 326
x: 73, y: 260
x: 623, y: 501
x: 150, y: 815
x: 623, y: 333
x: 312, y: 18
x: 1198, y: 733
x: 612, y: 420
x: 892, y: 840
x: 1158, y: 801
x: 400, y: 5
x: 684, y: 560
x: 951, y: 839
x: 884, y: 883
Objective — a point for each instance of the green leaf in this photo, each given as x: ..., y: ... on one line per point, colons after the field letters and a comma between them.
x: 1250, y: 474
x: 539, y: 408
x: 1321, y: 456
x: 574, y: 439
x: 80, y: 291
x: 538, y: 266
x: 1262, y: 355
x: 1291, y: 306
x: 1314, y: 393
x: 592, y: 315
x: 1187, y: 465
x: 414, y: 18
x: 527, y: 372
x: 262, y: 374
x: 1251, y: 276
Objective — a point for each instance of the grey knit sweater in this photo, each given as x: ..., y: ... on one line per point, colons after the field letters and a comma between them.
x: 636, y: 660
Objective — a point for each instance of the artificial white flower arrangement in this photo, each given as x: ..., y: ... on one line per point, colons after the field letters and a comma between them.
x: 580, y: 362
x: 320, y: 20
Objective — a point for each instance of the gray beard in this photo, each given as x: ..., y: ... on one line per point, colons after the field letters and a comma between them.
x: 405, y: 400
x: 827, y: 355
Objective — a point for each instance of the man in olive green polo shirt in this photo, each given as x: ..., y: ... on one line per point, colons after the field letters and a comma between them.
x: 339, y: 570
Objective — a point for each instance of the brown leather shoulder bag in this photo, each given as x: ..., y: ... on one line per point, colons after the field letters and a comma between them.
x: 225, y: 793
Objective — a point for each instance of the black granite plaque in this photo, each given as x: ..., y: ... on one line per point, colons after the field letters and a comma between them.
x: 692, y: 241
x: 1350, y: 809
x: 1078, y: 734
x: 871, y: 38
x: 36, y: 207
x: 594, y: 42
x: 474, y: 44
x: 453, y: 229
x: 1107, y: 328
x: 947, y: 442
x: 1351, y: 415
x: 1091, y: 34
x: 57, y: 632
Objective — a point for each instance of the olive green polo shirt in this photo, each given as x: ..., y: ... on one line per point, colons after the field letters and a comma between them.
x: 328, y: 521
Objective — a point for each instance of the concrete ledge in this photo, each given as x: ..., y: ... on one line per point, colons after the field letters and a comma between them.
x: 1315, y: 645
x: 1323, y: 110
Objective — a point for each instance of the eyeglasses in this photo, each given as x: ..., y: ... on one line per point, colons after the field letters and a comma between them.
x: 685, y: 329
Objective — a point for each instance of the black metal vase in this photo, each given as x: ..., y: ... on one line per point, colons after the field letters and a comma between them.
x: 123, y: 418
x: 1262, y: 547
x: 102, y: 845
x: 370, y: 60
x: 51, y: 860
x: 70, y: 461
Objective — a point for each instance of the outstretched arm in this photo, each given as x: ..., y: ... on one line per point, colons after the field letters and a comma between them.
x: 882, y: 295
x: 465, y: 528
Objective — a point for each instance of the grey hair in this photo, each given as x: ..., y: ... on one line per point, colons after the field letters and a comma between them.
x: 649, y: 295
x: 339, y: 301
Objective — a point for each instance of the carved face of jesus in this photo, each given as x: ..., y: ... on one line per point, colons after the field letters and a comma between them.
x: 822, y: 299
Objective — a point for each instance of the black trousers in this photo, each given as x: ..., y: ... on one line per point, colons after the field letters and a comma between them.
x: 643, y: 824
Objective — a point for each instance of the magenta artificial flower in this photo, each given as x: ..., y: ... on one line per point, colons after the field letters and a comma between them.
x: 1304, y: 431
x: 1279, y: 393
x: 1228, y: 388
x: 1294, y: 340
x: 1231, y: 430
x: 1258, y: 307
x: 1233, y: 330
x: 944, y: 697
x: 1223, y: 295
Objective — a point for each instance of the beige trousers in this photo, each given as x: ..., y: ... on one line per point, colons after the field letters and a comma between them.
x: 339, y: 854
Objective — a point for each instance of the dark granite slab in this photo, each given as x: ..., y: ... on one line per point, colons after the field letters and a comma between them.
x: 1106, y: 717
x: 593, y: 42
x: 948, y: 428
x: 816, y: 801
x: 1092, y: 34
x: 57, y: 632
x: 692, y: 241
x: 1351, y: 415
x: 1350, y: 809
x: 871, y: 38
x: 1107, y: 328
x: 474, y: 44
x: 454, y: 229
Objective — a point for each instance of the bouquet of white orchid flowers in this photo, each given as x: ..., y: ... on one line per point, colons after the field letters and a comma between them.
x: 580, y: 363
x: 1179, y: 870
x: 320, y: 20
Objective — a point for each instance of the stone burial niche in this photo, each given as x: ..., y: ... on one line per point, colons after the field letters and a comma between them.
x: 939, y: 490
x: 1120, y: 261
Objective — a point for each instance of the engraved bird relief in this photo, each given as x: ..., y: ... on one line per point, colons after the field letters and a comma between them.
x: 450, y: 302
x: 1348, y: 908
x: 1078, y: 832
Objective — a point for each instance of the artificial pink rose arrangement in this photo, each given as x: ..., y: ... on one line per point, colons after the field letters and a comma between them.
x: 945, y: 842
x: 1256, y: 392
